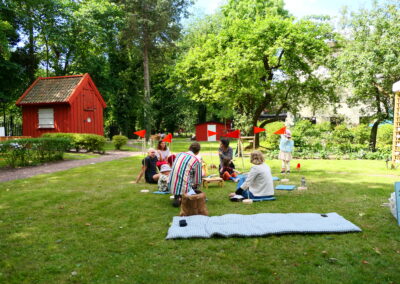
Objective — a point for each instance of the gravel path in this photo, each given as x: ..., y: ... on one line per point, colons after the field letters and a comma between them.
x: 12, y: 174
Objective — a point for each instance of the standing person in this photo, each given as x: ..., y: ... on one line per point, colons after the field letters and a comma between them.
x: 149, y: 168
x: 225, y: 152
x: 186, y: 173
x: 164, y: 155
x: 286, y: 146
x: 258, y: 182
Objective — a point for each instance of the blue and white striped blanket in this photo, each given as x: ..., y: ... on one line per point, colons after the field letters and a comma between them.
x: 232, y: 225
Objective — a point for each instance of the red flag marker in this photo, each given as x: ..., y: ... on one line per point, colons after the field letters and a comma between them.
x: 258, y: 129
x: 168, y: 138
x: 141, y: 133
x: 281, y: 131
x: 233, y: 134
x: 211, y: 133
x: 298, y: 166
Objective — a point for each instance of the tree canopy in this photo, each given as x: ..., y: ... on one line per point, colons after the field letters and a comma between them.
x: 368, y: 60
x: 268, y: 61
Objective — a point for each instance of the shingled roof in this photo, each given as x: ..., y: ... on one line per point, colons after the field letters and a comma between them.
x: 51, y: 90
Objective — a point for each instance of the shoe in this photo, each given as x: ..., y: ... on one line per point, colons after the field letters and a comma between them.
x: 237, y: 198
x: 282, y: 172
x: 288, y: 172
x: 176, y: 202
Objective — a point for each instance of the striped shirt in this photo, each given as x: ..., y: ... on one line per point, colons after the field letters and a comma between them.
x: 186, y: 172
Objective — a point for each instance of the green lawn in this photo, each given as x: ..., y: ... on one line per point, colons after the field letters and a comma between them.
x: 92, y: 222
x: 80, y: 156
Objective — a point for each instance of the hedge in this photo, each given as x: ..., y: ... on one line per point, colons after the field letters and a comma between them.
x: 32, y: 151
x: 82, y: 141
x: 322, y: 141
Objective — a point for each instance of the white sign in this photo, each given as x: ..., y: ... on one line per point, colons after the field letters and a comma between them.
x: 2, y: 131
x: 212, y: 127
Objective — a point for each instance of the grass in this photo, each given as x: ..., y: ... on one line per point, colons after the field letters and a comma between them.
x: 92, y: 222
x: 67, y: 156
x: 80, y: 156
x: 109, y: 146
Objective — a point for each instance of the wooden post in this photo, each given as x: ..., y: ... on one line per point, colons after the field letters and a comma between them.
x: 396, y: 132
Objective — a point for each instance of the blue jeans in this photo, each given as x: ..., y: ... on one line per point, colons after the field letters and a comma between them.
x: 242, y: 179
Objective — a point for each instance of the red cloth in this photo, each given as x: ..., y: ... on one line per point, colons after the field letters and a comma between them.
x: 168, y: 138
x: 140, y: 133
x: 171, y: 160
x: 160, y: 163
x: 281, y: 131
x: 258, y: 129
x: 233, y: 134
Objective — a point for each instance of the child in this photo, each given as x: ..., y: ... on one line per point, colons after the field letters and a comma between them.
x: 163, y: 180
x: 286, y: 148
x: 227, y: 172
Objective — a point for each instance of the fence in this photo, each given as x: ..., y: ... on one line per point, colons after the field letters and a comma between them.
x: 10, y: 128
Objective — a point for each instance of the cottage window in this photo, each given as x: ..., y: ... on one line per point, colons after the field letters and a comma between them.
x: 46, y: 118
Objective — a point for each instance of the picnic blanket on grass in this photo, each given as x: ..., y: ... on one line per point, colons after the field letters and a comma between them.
x: 236, y: 225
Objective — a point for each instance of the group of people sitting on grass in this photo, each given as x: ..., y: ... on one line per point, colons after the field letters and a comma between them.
x: 182, y: 174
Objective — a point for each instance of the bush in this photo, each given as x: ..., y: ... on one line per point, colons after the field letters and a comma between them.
x: 361, y: 133
x: 93, y: 142
x: 23, y: 152
x: 79, y: 141
x: 272, y: 140
x: 385, y: 135
x: 119, y: 141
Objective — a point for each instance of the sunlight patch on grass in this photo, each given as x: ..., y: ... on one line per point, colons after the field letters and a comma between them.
x: 20, y: 235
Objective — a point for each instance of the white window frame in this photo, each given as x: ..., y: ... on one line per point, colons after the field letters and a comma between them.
x: 46, y: 117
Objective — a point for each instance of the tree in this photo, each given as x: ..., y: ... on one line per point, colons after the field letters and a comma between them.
x: 152, y: 24
x: 368, y: 60
x: 259, y: 59
x: 10, y: 71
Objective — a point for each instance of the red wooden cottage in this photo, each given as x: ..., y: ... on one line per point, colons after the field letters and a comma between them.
x: 62, y: 104
x: 220, y: 128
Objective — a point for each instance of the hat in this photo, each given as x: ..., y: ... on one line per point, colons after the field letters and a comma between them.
x: 288, y: 133
x: 165, y: 168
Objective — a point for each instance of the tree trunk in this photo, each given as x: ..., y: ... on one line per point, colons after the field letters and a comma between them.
x: 374, y: 132
x: 47, y: 56
x: 202, y: 113
x: 146, y: 75
x: 31, y: 49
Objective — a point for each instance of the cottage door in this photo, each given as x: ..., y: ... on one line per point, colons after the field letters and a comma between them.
x: 212, y: 127
x: 89, y: 110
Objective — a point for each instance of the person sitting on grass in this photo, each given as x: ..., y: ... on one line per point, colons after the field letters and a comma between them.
x: 164, y: 155
x: 163, y: 180
x: 225, y: 152
x: 227, y: 172
x: 258, y: 182
x: 149, y: 168
x: 186, y: 173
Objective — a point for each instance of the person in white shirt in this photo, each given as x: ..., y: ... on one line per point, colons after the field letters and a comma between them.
x: 258, y: 182
x: 164, y: 155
